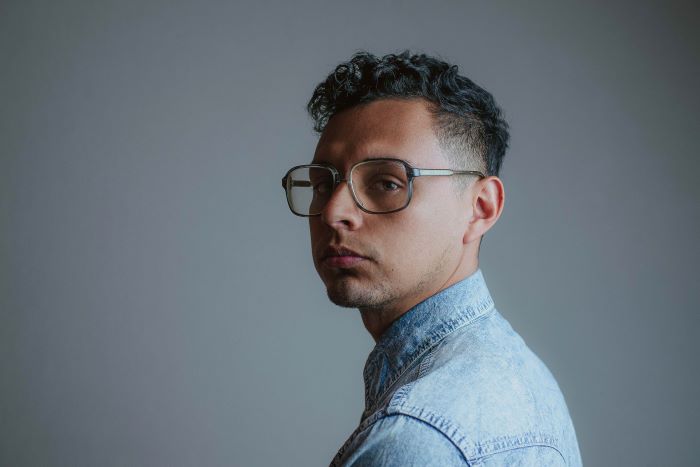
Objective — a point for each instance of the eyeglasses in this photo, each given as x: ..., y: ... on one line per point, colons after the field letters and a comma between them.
x: 378, y: 186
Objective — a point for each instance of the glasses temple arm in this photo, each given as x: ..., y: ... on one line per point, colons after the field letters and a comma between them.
x: 419, y: 172
x: 300, y: 183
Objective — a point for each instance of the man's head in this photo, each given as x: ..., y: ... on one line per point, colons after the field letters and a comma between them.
x: 419, y: 110
x: 466, y: 120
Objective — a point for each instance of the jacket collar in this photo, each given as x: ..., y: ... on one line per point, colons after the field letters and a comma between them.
x: 419, y: 329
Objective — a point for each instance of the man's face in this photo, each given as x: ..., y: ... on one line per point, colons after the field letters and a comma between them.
x: 405, y: 256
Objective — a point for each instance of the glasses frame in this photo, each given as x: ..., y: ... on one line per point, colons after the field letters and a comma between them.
x: 411, y: 173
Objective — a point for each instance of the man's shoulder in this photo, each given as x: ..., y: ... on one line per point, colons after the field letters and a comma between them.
x: 488, y: 392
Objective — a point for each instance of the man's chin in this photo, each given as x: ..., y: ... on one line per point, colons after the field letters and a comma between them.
x: 342, y: 295
x: 343, y: 301
x: 348, y: 293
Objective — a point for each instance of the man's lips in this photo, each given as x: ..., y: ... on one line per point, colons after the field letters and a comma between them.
x: 341, y: 257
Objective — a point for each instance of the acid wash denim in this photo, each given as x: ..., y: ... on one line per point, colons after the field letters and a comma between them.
x: 451, y: 383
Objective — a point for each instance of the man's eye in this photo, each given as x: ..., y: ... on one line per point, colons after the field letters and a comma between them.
x: 322, y: 187
x: 385, y: 185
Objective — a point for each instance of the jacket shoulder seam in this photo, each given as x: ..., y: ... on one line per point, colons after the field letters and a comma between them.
x: 471, y: 450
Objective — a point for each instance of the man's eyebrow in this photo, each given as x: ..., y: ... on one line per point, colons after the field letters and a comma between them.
x: 389, y: 156
x: 383, y: 156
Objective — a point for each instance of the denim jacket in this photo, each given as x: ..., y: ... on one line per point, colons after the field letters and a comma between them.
x: 451, y: 383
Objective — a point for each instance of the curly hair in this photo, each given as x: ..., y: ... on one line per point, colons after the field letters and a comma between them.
x: 468, y: 123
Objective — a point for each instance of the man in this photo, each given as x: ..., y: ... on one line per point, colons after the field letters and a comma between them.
x: 402, y: 186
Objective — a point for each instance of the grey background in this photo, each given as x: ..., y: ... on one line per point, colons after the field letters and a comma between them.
x: 158, y: 303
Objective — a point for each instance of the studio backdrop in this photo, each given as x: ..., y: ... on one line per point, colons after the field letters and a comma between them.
x: 158, y: 302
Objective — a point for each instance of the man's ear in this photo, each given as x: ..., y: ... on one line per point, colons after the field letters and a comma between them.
x: 488, y: 196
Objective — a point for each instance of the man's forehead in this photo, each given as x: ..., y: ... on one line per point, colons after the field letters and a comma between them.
x: 400, y: 129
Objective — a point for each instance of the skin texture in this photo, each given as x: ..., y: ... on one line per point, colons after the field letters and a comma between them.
x: 408, y: 255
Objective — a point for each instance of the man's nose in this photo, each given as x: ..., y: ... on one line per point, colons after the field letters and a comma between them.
x: 341, y: 211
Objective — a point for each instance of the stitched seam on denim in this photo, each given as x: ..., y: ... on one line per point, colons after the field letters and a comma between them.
x: 381, y: 415
x: 475, y: 314
x: 427, y: 362
x: 402, y: 393
x: 480, y: 460
x: 508, y: 443
x: 364, y: 424
x: 457, y: 436
x: 450, y: 430
x: 453, y: 325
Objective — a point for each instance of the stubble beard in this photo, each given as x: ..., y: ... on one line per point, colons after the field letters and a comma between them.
x: 350, y: 290
x: 354, y: 289
x: 347, y: 291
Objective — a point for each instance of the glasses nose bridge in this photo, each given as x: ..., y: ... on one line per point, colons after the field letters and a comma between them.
x: 337, y: 180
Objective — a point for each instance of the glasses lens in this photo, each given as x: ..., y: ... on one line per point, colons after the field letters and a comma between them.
x: 308, y: 189
x: 381, y: 186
